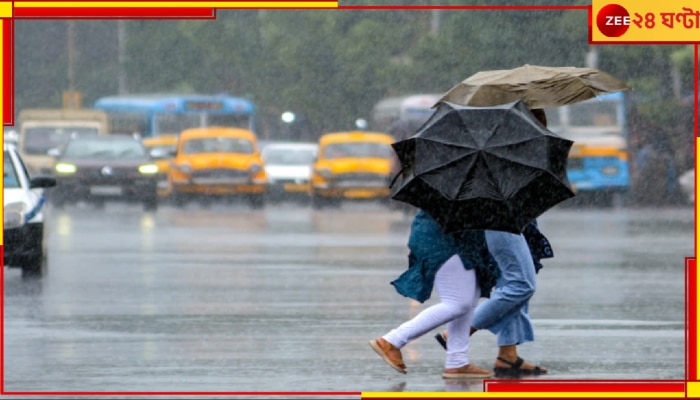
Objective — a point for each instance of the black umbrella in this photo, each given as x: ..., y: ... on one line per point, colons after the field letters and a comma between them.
x: 483, y: 167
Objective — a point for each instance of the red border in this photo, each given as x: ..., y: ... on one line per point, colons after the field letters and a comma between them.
x: 493, y: 386
x: 691, y: 330
x: 113, y: 12
x: 8, y: 65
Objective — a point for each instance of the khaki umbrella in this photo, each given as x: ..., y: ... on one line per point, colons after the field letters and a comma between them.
x: 537, y: 86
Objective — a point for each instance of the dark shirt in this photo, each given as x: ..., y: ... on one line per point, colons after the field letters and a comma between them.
x: 430, y: 248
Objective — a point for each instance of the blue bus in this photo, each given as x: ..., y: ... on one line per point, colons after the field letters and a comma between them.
x: 599, y: 160
x: 152, y: 115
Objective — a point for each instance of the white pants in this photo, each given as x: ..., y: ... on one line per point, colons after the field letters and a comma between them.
x: 459, y: 294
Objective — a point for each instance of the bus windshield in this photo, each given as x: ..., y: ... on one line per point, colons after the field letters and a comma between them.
x: 599, y: 114
x: 599, y: 117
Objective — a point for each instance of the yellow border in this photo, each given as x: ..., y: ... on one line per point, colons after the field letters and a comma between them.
x: 5, y: 9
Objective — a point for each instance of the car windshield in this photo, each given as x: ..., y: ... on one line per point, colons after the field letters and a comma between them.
x: 40, y: 139
x: 358, y: 150
x: 165, y: 148
x: 288, y: 156
x: 9, y: 173
x: 106, y: 149
x: 217, y: 145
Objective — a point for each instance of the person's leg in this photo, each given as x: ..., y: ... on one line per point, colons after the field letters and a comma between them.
x: 459, y: 287
x: 518, y: 329
x: 451, y: 283
x: 505, y: 313
x: 513, y: 289
x: 458, y: 344
x: 456, y: 287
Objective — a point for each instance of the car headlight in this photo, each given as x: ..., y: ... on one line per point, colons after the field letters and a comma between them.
x: 325, y: 173
x: 65, y: 168
x: 255, y: 168
x: 184, y: 168
x: 14, y: 215
x: 148, y: 169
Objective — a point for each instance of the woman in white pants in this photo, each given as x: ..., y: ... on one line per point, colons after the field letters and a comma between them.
x: 459, y: 267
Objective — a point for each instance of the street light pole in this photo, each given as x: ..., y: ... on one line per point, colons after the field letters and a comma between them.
x: 592, y: 57
x: 70, y: 100
x: 121, y: 55
x: 435, y: 22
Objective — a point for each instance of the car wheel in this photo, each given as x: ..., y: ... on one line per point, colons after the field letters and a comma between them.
x: 150, y: 204
x: 35, y: 266
x: 98, y: 203
x: 318, y: 202
x: 178, y: 199
x: 256, y: 201
x: 205, y: 200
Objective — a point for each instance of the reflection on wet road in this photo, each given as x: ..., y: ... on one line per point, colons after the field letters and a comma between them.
x: 226, y: 299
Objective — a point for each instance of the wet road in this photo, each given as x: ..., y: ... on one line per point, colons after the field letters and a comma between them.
x: 226, y: 299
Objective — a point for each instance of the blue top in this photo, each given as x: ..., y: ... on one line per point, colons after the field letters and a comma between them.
x: 429, y: 248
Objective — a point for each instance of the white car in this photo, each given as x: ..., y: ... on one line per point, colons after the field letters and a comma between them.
x: 23, y: 227
x: 687, y: 184
x: 288, y: 169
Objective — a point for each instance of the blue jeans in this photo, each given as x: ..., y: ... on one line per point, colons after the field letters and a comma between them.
x: 505, y: 313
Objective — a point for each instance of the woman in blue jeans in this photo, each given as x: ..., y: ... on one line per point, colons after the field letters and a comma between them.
x: 505, y: 313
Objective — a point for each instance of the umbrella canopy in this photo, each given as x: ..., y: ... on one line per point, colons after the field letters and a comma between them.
x: 537, y: 86
x: 483, y: 167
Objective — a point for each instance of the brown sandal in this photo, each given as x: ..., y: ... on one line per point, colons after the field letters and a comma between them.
x: 466, y: 371
x: 389, y: 353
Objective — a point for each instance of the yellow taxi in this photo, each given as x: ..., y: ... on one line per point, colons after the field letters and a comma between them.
x: 218, y: 162
x: 162, y: 150
x: 352, y: 165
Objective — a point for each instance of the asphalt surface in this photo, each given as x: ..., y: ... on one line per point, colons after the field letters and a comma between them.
x: 225, y: 299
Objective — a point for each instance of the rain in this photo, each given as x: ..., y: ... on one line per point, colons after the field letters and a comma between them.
x: 230, y: 293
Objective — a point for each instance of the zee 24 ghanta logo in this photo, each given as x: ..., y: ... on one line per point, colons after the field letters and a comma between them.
x: 613, y: 20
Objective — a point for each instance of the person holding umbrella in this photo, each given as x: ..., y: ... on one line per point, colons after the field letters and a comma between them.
x: 505, y: 312
x: 492, y: 170
x: 459, y: 267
